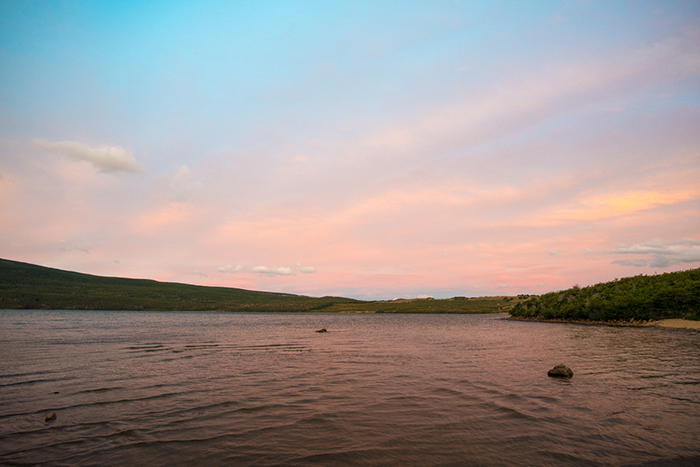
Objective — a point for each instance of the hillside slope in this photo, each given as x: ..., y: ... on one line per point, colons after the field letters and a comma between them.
x: 664, y: 296
x: 27, y: 286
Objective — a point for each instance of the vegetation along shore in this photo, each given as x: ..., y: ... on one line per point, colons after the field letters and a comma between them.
x: 639, y: 300
x: 658, y: 300
x: 685, y: 324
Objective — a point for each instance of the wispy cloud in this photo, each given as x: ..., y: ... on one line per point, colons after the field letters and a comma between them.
x: 230, y: 268
x: 279, y: 271
x: 621, y: 204
x: 631, y: 262
x: 197, y: 273
x: 182, y: 184
x: 665, y: 253
x: 456, y: 171
x: 305, y: 269
x: 165, y: 218
x: 64, y: 246
x: 534, y: 96
x: 103, y: 158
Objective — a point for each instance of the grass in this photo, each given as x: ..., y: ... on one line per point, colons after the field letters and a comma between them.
x: 28, y: 286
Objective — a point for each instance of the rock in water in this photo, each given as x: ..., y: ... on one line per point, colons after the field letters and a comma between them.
x: 51, y: 416
x: 322, y: 330
x: 561, y: 371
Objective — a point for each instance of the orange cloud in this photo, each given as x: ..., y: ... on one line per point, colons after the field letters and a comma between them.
x: 620, y: 204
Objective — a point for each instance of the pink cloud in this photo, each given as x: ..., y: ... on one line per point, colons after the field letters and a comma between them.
x: 467, y: 188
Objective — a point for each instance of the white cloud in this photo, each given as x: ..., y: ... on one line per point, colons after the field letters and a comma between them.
x: 665, y: 254
x: 305, y: 269
x: 631, y: 262
x: 197, y: 273
x: 281, y: 271
x: 103, y: 158
x: 553, y: 252
x: 230, y: 268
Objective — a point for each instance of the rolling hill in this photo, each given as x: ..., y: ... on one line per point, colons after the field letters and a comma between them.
x: 28, y: 286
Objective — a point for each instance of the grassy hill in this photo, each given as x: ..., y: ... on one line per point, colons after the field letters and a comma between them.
x: 27, y: 286
x: 669, y: 295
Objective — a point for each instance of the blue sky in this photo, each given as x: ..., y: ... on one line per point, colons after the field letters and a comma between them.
x: 394, y: 148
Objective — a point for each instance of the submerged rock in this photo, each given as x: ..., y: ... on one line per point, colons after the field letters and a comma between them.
x: 561, y: 371
x: 51, y: 416
x: 322, y: 330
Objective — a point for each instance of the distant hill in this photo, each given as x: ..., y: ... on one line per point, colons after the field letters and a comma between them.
x: 28, y: 286
x: 669, y: 295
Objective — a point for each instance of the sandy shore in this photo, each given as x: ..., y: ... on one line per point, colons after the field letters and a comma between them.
x: 681, y: 324
x: 676, y: 324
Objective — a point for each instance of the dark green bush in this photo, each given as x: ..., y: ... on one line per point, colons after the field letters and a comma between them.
x: 669, y: 295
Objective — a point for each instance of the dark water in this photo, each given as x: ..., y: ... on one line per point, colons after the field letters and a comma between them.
x: 169, y: 389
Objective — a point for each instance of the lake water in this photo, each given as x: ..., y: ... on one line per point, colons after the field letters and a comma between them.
x: 148, y: 388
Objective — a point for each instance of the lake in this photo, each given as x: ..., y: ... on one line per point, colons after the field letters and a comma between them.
x: 166, y: 388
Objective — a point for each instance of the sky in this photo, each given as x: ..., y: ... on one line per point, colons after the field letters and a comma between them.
x: 371, y: 150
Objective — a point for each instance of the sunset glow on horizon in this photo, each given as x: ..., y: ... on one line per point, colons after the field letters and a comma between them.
x: 371, y: 150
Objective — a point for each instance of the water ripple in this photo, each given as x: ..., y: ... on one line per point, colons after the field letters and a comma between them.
x: 221, y: 389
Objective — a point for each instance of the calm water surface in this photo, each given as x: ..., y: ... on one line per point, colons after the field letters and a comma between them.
x: 146, y: 388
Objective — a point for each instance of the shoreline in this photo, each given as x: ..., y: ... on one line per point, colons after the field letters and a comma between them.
x: 672, y: 324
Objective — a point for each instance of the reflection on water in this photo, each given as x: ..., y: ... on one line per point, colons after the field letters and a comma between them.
x: 265, y: 389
